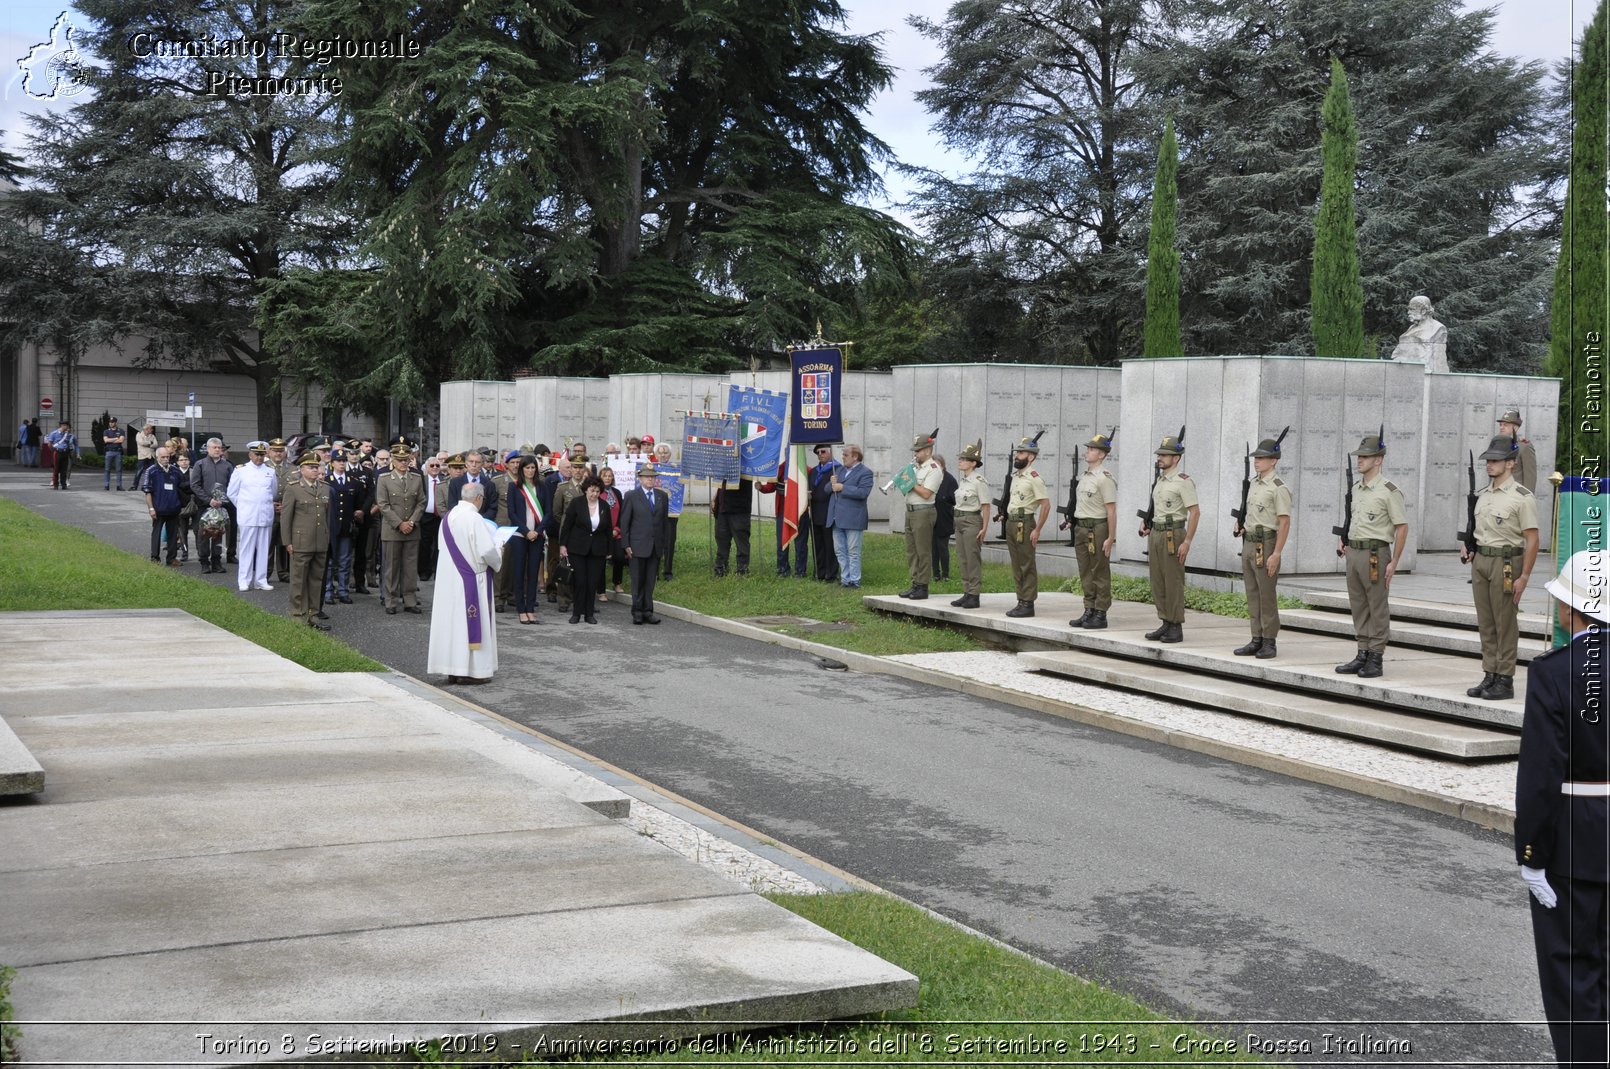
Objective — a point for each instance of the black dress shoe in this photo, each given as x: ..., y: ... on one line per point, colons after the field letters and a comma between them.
x: 233, y: 559
x: 414, y: 609
x: 574, y: 618
x: 321, y: 615
x: 360, y: 589
x: 590, y: 618
x: 651, y: 619
x: 391, y: 610
x: 1249, y: 649
x: 344, y: 600
x: 636, y: 618
x: 318, y: 625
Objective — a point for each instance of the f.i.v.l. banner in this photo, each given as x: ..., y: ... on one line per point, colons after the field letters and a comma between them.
x: 761, y: 415
x: 818, y: 413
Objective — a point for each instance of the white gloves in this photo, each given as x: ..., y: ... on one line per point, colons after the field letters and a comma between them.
x: 1538, y: 883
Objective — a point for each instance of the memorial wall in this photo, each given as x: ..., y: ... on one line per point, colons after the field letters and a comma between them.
x: 1226, y: 403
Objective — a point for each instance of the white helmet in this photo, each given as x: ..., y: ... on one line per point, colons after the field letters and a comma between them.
x: 1581, y: 584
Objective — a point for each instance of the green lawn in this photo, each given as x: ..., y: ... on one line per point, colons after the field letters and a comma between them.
x: 48, y: 567
x: 883, y: 571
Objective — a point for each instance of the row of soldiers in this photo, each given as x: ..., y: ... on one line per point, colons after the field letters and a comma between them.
x: 1502, y: 541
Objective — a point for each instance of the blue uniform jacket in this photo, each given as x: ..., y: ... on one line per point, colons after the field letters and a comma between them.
x: 1564, y: 737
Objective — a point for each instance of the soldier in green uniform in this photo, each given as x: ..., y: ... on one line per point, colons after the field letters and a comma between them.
x: 1506, y: 549
x: 284, y: 472
x: 1026, y: 510
x: 921, y: 515
x: 1380, y: 524
x: 1095, y: 521
x: 1525, y: 456
x: 400, y: 500
x: 305, y: 530
x: 502, y: 479
x: 1263, y: 534
x: 972, y: 520
x: 1175, y: 514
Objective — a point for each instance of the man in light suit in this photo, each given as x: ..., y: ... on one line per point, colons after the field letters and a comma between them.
x: 847, y: 513
x: 642, y: 520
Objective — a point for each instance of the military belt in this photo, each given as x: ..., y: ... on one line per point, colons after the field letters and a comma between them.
x: 1028, y: 514
x: 1366, y: 543
x: 1585, y: 789
x: 1087, y: 522
x: 1500, y: 551
x: 1259, y: 534
x: 968, y: 512
x: 1169, y: 525
x: 919, y: 508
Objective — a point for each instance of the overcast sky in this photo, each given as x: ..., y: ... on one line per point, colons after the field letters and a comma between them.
x: 1528, y: 29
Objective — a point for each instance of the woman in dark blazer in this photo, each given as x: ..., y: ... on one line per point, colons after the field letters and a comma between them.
x: 586, y: 539
x: 524, y: 551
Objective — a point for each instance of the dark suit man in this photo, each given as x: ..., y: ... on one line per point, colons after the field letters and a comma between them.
x: 822, y: 476
x: 349, y: 504
x: 430, y: 524
x: 1562, y: 815
x: 643, y: 513
x: 473, y: 474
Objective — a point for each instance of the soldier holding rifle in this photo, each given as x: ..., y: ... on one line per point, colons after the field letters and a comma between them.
x: 1376, y: 528
x: 1169, y: 524
x: 1504, y: 548
x: 1095, y: 525
x: 1262, y: 523
x: 1026, y: 510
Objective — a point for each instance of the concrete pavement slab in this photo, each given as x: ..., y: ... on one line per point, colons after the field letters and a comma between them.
x: 691, y: 966
x: 70, y: 732
x: 173, y: 903
x: 20, y: 772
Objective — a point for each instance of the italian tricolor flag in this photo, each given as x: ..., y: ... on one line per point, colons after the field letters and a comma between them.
x: 794, y: 492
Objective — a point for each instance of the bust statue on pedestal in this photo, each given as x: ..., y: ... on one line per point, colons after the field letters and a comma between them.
x: 1426, y: 340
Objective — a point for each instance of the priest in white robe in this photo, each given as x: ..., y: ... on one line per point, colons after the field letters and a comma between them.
x: 463, y: 627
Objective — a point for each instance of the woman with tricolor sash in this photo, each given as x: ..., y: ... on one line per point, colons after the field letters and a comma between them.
x: 525, y: 549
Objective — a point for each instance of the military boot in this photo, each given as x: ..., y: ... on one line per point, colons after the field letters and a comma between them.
x: 1157, y: 632
x: 1249, y: 649
x: 1372, y: 666
x: 966, y: 601
x: 1486, y: 681
x: 1082, y: 621
x: 1175, y: 633
x: 1024, y: 608
x: 1268, y: 649
x: 918, y: 593
x: 1501, y: 689
x: 1352, y: 668
x: 1098, y: 621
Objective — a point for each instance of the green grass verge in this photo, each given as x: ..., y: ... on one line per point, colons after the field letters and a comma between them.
x: 883, y: 570
x: 9, y: 1033
x: 50, y: 567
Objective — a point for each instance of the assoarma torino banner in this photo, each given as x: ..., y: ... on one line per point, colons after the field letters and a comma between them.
x: 818, y: 415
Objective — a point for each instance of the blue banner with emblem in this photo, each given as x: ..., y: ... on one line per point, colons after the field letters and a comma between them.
x: 710, y: 447
x: 761, y: 416
x: 675, y: 490
x: 818, y: 413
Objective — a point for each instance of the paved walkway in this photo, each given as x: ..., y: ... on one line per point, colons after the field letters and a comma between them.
x: 225, y: 836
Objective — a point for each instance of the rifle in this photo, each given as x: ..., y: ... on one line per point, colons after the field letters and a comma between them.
x: 1006, y: 484
x: 1468, y: 536
x: 1149, y: 513
x: 1347, y: 505
x: 1240, y: 515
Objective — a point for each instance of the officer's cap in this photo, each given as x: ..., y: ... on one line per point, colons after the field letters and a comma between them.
x: 1511, y: 415
x: 973, y: 451
x: 648, y: 471
x: 1502, y: 447
x: 339, y: 454
x: 309, y: 457
x: 276, y: 443
x: 400, y: 451
x: 578, y: 458
x: 257, y: 447
x: 1170, y: 446
x: 456, y: 460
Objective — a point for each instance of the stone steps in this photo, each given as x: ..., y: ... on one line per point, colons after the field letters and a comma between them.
x: 1532, y: 625
x: 1410, y: 633
x: 1408, y: 731
x: 1424, y: 682
x: 20, y: 773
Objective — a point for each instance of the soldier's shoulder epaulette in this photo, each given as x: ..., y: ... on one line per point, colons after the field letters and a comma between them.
x: 1550, y: 653
x: 1392, y: 486
x: 1524, y: 491
x: 1184, y: 476
x: 1034, y: 473
x: 1278, y: 482
x: 1107, y: 475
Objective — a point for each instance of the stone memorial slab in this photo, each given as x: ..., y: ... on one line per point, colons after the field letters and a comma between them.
x: 484, y: 422
x: 508, y: 418
x: 535, y: 399
x: 457, y: 413
x: 1208, y: 460
x: 1137, y: 432
x: 925, y: 390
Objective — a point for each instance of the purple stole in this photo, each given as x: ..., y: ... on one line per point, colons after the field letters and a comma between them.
x: 466, y: 572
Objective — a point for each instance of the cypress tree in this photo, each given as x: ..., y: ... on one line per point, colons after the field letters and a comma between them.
x: 1579, y: 317
x: 1162, y: 258
x: 1336, y: 293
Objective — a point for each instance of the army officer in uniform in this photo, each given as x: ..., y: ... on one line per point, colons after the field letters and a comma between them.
x: 921, y: 515
x: 305, y: 530
x: 972, y: 520
x: 1506, y: 550
x: 400, y: 500
x: 1027, y: 507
